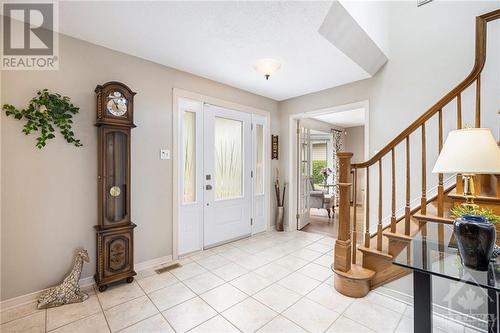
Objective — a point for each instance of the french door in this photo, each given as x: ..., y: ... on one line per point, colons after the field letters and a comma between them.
x: 222, y: 175
x: 303, y: 174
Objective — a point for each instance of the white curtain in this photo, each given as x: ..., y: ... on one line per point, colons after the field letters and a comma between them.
x: 338, y: 145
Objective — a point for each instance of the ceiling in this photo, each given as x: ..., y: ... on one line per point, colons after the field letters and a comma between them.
x: 221, y: 40
x: 346, y: 119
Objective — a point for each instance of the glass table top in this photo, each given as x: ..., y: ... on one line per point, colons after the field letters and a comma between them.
x: 433, y: 250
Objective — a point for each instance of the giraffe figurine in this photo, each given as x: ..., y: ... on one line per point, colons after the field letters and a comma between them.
x: 69, y: 290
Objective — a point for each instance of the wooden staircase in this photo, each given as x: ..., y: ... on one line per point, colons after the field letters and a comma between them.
x: 367, y: 264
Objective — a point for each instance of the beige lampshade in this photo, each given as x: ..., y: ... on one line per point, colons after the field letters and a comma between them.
x: 469, y: 151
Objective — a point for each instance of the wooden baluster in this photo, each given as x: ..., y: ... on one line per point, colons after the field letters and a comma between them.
x: 367, y: 209
x: 393, y: 199
x: 440, y: 198
x: 379, y: 225
x: 423, y: 199
x: 459, y: 188
x: 342, y: 259
x: 407, y: 206
x: 354, y: 220
x: 478, y: 102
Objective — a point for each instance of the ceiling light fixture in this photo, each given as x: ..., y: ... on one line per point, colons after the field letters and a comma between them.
x: 267, y: 66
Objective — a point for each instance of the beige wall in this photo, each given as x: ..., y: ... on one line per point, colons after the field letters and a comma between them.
x: 354, y: 142
x: 49, y: 202
x: 428, y: 56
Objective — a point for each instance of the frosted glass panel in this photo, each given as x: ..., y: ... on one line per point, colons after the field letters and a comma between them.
x: 189, y: 149
x: 259, y: 160
x: 228, y: 158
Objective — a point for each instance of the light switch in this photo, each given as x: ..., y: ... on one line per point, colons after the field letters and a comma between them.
x: 164, y: 154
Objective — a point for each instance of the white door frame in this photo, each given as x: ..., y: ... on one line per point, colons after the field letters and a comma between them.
x: 176, y: 142
x: 292, y: 149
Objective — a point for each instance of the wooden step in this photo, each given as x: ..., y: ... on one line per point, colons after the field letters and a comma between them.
x: 354, y: 283
x: 478, y: 199
x: 381, y: 263
x: 397, y: 242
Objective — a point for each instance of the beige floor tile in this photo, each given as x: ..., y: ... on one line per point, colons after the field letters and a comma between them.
x: 277, y: 297
x: 157, y: 281
x: 405, y: 325
x: 62, y: 315
x: 18, y: 312
x: 281, y: 325
x: 155, y: 324
x: 172, y: 295
x: 189, y: 314
x: 299, y: 283
x: 252, y: 262
x: 129, y: 313
x: 346, y: 325
x: 230, y: 271
x: 249, y: 315
x: 307, y: 254
x: 325, y: 260
x: 330, y: 241
x: 213, y: 262
x: 327, y: 296
x: 387, y: 302
x: 217, y: 324
x: 95, y: 324
x: 223, y: 297
x: 315, y: 271
x: 118, y: 294
x: 251, y: 283
x: 272, y: 253
x: 310, y: 315
x: 203, y: 282
x: 33, y: 323
x: 291, y: 262
x: 273, y: 272
x: 370, y: 316
x: 319, y: 247
x: 188, y: 271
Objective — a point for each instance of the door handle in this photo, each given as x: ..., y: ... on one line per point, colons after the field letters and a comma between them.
x: 208, y: 187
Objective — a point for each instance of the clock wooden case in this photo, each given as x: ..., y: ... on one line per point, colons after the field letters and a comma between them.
x: 115, y: 230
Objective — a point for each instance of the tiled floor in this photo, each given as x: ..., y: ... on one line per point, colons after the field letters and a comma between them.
x: 273, y: 282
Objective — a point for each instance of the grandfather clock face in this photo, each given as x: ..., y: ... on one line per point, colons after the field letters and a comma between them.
x: 117, y: 104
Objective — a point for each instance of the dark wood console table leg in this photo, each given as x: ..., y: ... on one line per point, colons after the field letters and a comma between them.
x: 492, y: 311
x: 422, y: 302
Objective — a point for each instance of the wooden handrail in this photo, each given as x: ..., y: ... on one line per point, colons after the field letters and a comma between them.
x: 480, y: 59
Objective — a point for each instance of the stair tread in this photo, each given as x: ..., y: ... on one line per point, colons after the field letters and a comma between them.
x: 375, y: 251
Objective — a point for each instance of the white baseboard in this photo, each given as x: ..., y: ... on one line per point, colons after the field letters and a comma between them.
x: 84, y: 282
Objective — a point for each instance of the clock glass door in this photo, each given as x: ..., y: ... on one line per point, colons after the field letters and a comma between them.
x: 116, y: 176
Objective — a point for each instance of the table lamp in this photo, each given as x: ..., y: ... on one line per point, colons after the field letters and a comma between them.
x: 468, y: 152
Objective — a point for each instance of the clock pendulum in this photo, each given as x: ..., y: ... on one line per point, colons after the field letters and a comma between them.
x: 115, y: 230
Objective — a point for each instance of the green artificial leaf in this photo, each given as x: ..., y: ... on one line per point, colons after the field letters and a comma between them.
x: 44, y: 113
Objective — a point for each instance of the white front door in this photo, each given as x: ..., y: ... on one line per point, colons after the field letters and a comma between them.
x: 227, y: 176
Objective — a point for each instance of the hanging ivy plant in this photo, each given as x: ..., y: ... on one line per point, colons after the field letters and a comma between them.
x: 44, y: 112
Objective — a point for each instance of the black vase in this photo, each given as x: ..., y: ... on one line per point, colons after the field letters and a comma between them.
x: 475, y: 239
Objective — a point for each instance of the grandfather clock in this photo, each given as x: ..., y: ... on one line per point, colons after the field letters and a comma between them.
x: 115, y: 230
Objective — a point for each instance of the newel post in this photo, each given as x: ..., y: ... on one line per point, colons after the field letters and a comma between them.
x: 342, y: 259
